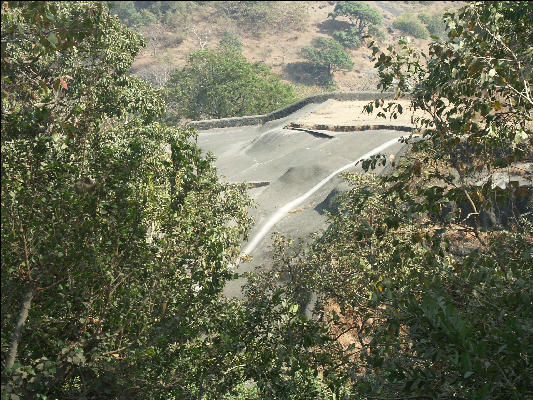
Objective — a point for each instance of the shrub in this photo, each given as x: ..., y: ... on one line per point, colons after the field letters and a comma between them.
x: 376, y: 32
x: 261, y: 16
x: 349, y: 38
x: 434, y: 23
x: 230, y: 42
x: 411, y: 25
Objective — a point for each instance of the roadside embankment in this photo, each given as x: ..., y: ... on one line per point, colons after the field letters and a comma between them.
x: 285, y: 111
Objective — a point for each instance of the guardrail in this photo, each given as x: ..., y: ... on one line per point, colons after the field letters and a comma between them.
x: 285, y: 111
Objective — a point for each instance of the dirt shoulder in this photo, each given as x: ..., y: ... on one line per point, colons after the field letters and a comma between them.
x: 350, y: 113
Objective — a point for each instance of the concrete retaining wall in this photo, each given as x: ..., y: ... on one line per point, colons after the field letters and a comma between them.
x: 283, y: 112
x: 349, y: 128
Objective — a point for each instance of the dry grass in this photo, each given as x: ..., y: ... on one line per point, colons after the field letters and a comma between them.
x: 280, y: 50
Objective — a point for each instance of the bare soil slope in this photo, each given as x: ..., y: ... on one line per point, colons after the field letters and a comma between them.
x: 351, y: 113
x: 281, y: 50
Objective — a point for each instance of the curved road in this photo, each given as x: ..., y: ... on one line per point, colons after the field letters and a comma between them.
x: 303, y: 170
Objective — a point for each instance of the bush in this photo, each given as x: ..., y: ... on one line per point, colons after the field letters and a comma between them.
x: 376, y: 32
x: 230, y: 42
x: 261, y: 16
x: 411, y: 25
x: 434, y: 23
x: 138, y: 14
x: 349, y: 39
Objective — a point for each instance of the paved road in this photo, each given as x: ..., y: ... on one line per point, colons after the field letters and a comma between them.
x: 294, y: 162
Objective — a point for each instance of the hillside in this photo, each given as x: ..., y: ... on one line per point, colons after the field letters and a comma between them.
x: 202, y: 26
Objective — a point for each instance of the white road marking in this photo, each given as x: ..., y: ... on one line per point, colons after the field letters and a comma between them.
x: 283, y: 211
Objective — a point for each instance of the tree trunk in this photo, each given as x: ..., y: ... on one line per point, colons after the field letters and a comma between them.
x: 23, y: 315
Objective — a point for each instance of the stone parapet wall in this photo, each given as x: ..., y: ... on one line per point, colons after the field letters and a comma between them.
x: 285, y: 111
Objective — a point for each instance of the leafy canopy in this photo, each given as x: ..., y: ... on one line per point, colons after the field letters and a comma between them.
x: 230, y: 42
x: 363, y: 19
x: 327, y: 54
x: 116, y: 234
x: 411, y: 25
x: 219, y: 84
x: 361, y: 15
x: 476, y: 91
x: 424, y: 275
x: 117, y: 237
x: 139, y: 14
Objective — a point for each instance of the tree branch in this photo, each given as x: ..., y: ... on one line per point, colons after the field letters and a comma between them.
x: 23, y: 315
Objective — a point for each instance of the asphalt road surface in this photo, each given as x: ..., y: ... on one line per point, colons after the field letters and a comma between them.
x: 303, y: 170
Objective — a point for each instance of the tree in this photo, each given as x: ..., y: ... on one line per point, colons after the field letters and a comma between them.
x: 361, y: 15
x: 328, y: 55
x: 157, y: 73
x: 430, y: 300
x: 116, y: 234
x: 139, y: 14
x: 224, y: 84
x: 364, y: 19
x: 155, y: 35
x: 127, y: 12
x: 476, y: 90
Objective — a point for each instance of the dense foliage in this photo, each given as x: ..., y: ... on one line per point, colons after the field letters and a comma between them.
x: 143, y: 13
x: 422, y: 25
x: 411, y: 25
x: 114, y: 245
x: 349, y: 38
x: 118, y: 238
x: 424, y: 276
x: 218, y: 84
x: 360, y: 14
x: 230, y: 42
x: 434, y: 24
x: 364, y: 19
x: 327, y: 55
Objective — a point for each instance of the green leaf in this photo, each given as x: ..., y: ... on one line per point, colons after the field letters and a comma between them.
x: 52, y: 38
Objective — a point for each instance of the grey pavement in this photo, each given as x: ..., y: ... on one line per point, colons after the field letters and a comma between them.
x: 293, y: 162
